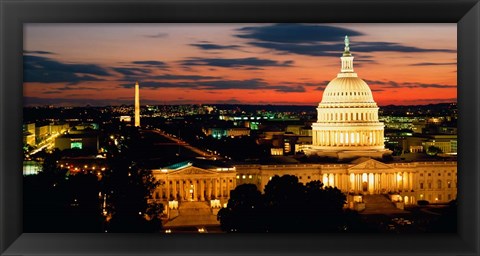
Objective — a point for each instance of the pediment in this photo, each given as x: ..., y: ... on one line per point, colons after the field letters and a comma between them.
x: 370, y: 164
x: 192, y: 170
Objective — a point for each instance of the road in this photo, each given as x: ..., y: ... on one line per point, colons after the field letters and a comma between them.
x: 48, y: 143
x: 184, y: 144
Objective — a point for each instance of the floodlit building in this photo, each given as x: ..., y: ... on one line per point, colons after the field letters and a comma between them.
x: 83, y: 141
x: 347, y: 122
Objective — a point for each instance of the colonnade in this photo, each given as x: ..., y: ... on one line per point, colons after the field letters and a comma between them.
x: 348, y: 138
x: 336, y: 116
x: 194, y: 189
x: 370, y: 182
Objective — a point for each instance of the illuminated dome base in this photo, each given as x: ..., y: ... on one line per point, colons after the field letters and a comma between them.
x: 344, y: 154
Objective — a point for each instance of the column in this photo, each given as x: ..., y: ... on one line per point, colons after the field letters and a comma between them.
x: 197, y: 189
x: 174, y: 192
x: 410, y: 180
x: 168, y: 190
x: 209, y: 189
x: 202, y: 190
x: 359, y: 182
x: 220, y: 193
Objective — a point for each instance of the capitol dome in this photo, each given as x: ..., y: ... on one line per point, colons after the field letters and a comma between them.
x: 347, y: 117
x: 347, y: 89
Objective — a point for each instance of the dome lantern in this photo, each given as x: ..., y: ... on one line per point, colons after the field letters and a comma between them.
x: 347, y: 59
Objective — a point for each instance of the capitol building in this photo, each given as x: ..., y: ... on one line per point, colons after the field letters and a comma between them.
x: 347, y: 122
x: 347, y: 129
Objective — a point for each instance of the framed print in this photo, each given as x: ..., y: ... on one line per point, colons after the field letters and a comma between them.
x: 344, y: 127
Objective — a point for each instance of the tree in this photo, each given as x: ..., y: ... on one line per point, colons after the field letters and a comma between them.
x: 55, y: 201
x: 433, y: 151
x: 129, y: 188
x: 244, y: 211
x: 284, y: 198
x: 286, y: 206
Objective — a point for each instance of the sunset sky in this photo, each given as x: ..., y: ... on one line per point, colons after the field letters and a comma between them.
x: 288, y: 64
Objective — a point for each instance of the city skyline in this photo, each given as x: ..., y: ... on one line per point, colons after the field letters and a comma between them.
x: 278, y: 64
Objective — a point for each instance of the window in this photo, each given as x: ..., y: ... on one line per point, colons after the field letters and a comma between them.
x: 308, y: 177
x: 439, y: 174
x: 448, y: 174
x: 421, y: 174
x: 439, y: 184
x: 449, y: 185
x: 421, y: 185
x: 449, y: 197
x: 429, y: 185
x: 429, y: 174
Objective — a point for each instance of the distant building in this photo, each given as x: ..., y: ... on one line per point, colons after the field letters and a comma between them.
x: 31, y: 167
x: 218, y: 133
x: 126, y: 119
x: 84, y: 141
x: 29, y: 134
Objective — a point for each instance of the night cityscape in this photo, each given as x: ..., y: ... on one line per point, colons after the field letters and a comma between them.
x: 214, y: 155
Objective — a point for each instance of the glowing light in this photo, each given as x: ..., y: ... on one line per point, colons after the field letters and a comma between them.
x: 399, y: 177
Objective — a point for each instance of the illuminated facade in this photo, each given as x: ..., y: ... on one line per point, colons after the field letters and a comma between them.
x: 186, y: 182
x: 137, y: 105
x: 347, y: 121
x: 435, y: 182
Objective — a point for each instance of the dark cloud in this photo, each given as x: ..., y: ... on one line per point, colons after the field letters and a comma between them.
x: 302, y: 49
x: 249, y: 84
x: 283, y: 88
x: 132, y: 71
x: 158, y: 35
x: 211, y: 46
x: 158, y: 85
x: 321, y: 83
x: 37, y: 101
x: 393, y: 84
x: 45, y: 70
x: 434, y: 64
x: 151, y: 63
x: 295, y: 33
x: 318, y: 40
x: 240, y: 62
x: 391, y: 47
x: 184, y: 77
x: 39, y: 52
x: 321, y: 87
x: 335, y: 50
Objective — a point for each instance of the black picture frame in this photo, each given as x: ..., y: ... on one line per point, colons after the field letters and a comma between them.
x: 466, y: 13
